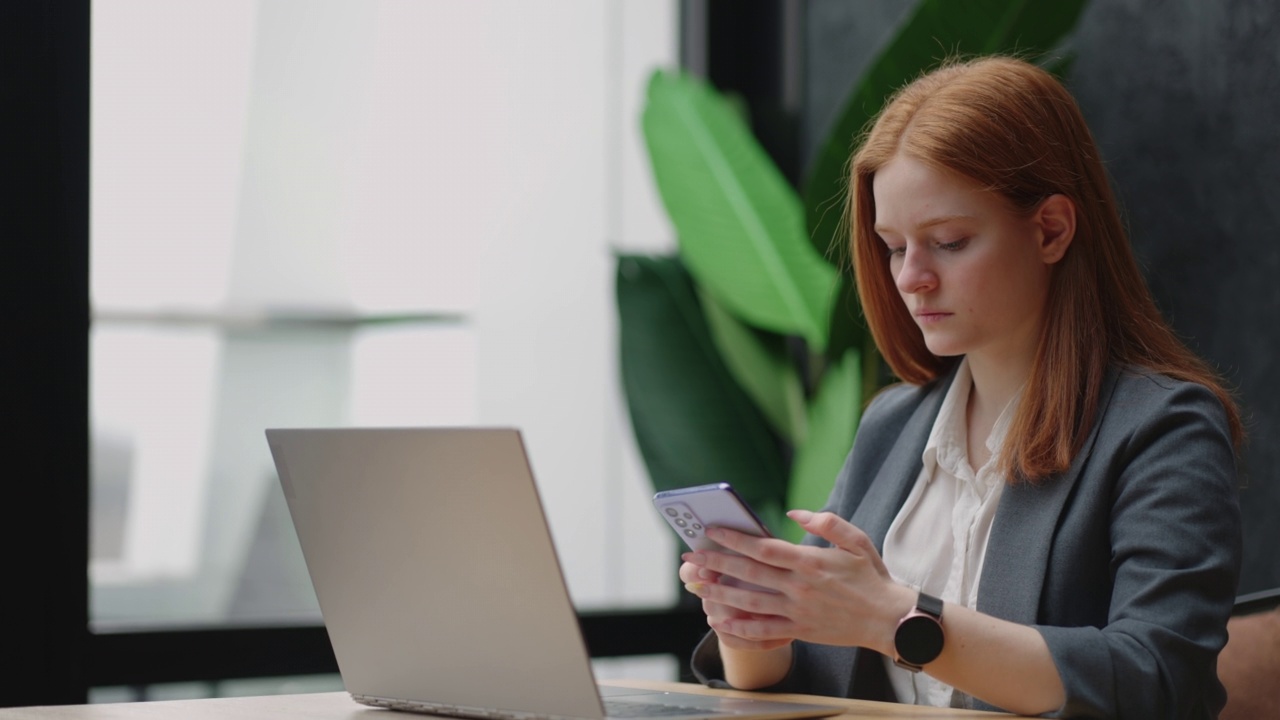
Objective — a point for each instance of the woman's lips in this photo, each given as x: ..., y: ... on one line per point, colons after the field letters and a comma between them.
x: 931, y: 316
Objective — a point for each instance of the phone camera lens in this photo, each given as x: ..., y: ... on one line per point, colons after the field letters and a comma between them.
x: 690, y: 533
x: 696, y: 526
x: 688, y: 516
x: 672, y: 512
x: 680, y: 522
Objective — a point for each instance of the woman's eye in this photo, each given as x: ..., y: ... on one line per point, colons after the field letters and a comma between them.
x: 953, y: 246
x: 893, y: 251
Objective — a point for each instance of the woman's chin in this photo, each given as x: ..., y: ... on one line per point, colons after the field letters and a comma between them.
x: 942, y: 348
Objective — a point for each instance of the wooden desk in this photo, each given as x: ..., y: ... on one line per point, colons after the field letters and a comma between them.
x: 340, y: 706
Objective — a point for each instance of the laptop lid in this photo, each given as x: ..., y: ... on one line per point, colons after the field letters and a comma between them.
x: 434, y: 568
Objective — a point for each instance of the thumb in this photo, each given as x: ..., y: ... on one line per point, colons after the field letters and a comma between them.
x: 835, y: 530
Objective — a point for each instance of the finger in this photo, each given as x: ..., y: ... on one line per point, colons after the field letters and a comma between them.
x: 740, y: 601
x: 759, y: 630
x: 714, y: 609
x: 769, y: 551
x: 835, y: 530
x: 717, y: 612
x: 690, y: 573
x: 699, y: 587
x: 721, y: 611
x: 739, y: 567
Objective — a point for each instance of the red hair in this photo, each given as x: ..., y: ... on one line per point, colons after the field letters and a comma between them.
x: 1015, y: 130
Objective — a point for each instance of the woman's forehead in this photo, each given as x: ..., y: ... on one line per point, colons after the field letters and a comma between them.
x: 910, y: 194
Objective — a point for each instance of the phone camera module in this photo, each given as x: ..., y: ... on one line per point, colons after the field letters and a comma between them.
x: 680, y: 522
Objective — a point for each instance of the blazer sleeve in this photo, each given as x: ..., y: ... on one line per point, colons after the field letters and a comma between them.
x: 1175, y: 542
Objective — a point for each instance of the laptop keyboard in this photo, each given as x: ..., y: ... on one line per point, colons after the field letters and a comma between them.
x: 631, y: 709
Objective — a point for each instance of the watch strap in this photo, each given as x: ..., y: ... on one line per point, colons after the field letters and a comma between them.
x: 930, y: 605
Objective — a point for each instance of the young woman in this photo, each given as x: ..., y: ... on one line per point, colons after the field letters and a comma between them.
x: 1043, y: 517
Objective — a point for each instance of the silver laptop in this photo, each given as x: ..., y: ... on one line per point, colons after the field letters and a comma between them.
x: 439, y: 584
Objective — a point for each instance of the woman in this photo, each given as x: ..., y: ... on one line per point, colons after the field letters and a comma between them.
x: 1043, y: 517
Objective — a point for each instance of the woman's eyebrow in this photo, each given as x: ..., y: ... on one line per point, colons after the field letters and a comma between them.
x: 940, y: 220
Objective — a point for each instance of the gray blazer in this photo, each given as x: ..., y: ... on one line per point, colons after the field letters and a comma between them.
x: 1127, y: 563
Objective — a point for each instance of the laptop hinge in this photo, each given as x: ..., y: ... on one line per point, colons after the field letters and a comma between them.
x: 432, y: 708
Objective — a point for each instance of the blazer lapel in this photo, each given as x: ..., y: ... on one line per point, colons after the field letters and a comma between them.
x: 875, y: 513
x: 1022, y: 534
x: 900, y: 469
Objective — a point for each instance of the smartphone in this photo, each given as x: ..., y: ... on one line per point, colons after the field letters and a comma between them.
x: 690, y: 511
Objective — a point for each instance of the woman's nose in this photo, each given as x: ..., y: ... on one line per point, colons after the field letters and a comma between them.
x: 915, y: 274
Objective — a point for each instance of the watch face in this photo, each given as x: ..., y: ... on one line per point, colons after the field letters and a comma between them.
x: 919, y: 639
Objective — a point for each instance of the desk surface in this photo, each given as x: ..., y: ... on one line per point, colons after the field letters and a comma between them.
x: 340, y: 706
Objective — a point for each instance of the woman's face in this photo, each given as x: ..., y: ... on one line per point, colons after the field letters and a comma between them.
x: 972, y: 272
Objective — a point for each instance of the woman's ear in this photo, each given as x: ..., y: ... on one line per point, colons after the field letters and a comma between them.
x: 1056, y: 218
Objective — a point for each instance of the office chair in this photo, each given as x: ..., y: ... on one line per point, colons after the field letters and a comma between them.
x: 1249, y: 665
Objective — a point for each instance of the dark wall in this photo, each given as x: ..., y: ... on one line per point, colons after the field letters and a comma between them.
x: 1184, y: 100
x: 44, y: 354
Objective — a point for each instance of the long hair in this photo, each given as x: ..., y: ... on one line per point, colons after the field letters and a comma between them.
x: 1016, y: 131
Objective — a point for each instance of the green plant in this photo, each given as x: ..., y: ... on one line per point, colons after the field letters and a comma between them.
x: 743, y: 357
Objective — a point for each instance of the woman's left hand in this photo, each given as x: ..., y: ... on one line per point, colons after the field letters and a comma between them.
x: 841, y: 595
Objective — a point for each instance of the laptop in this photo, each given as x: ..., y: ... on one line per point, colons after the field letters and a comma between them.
x: 439, y: 584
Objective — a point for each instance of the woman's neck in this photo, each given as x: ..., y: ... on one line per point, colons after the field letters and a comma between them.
x: 994, y: 385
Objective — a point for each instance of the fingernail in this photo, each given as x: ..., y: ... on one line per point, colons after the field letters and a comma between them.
x: 696, y: 558
x: 800, y: 516
x: 695, y: 588
x: 704, y: 573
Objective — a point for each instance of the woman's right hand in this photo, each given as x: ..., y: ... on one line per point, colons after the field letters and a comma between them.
x: 691, y: 575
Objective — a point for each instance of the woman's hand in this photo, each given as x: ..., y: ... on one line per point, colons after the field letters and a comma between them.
x: 695, y: 579
x: 841, y: 595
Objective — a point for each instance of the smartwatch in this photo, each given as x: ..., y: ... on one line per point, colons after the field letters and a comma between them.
x: 918, y: 639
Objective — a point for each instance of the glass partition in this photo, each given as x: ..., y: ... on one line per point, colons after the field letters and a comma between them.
x: 350, y: 212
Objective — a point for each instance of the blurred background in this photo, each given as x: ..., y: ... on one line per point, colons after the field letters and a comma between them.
x: 239, y: 214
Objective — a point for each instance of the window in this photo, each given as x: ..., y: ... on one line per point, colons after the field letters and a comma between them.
x: 328, y: 212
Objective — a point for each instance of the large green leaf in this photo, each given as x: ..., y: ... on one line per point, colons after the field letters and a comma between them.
x: 759, y: 361
x: 937, y: 28
x: 692, y: 421
x: 833, y: 420
x: 848, y: 328
x: 739, y: 224
x: 849, y: 331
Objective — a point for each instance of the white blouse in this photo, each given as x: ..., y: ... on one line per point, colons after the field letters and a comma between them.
x: 939, y: 538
